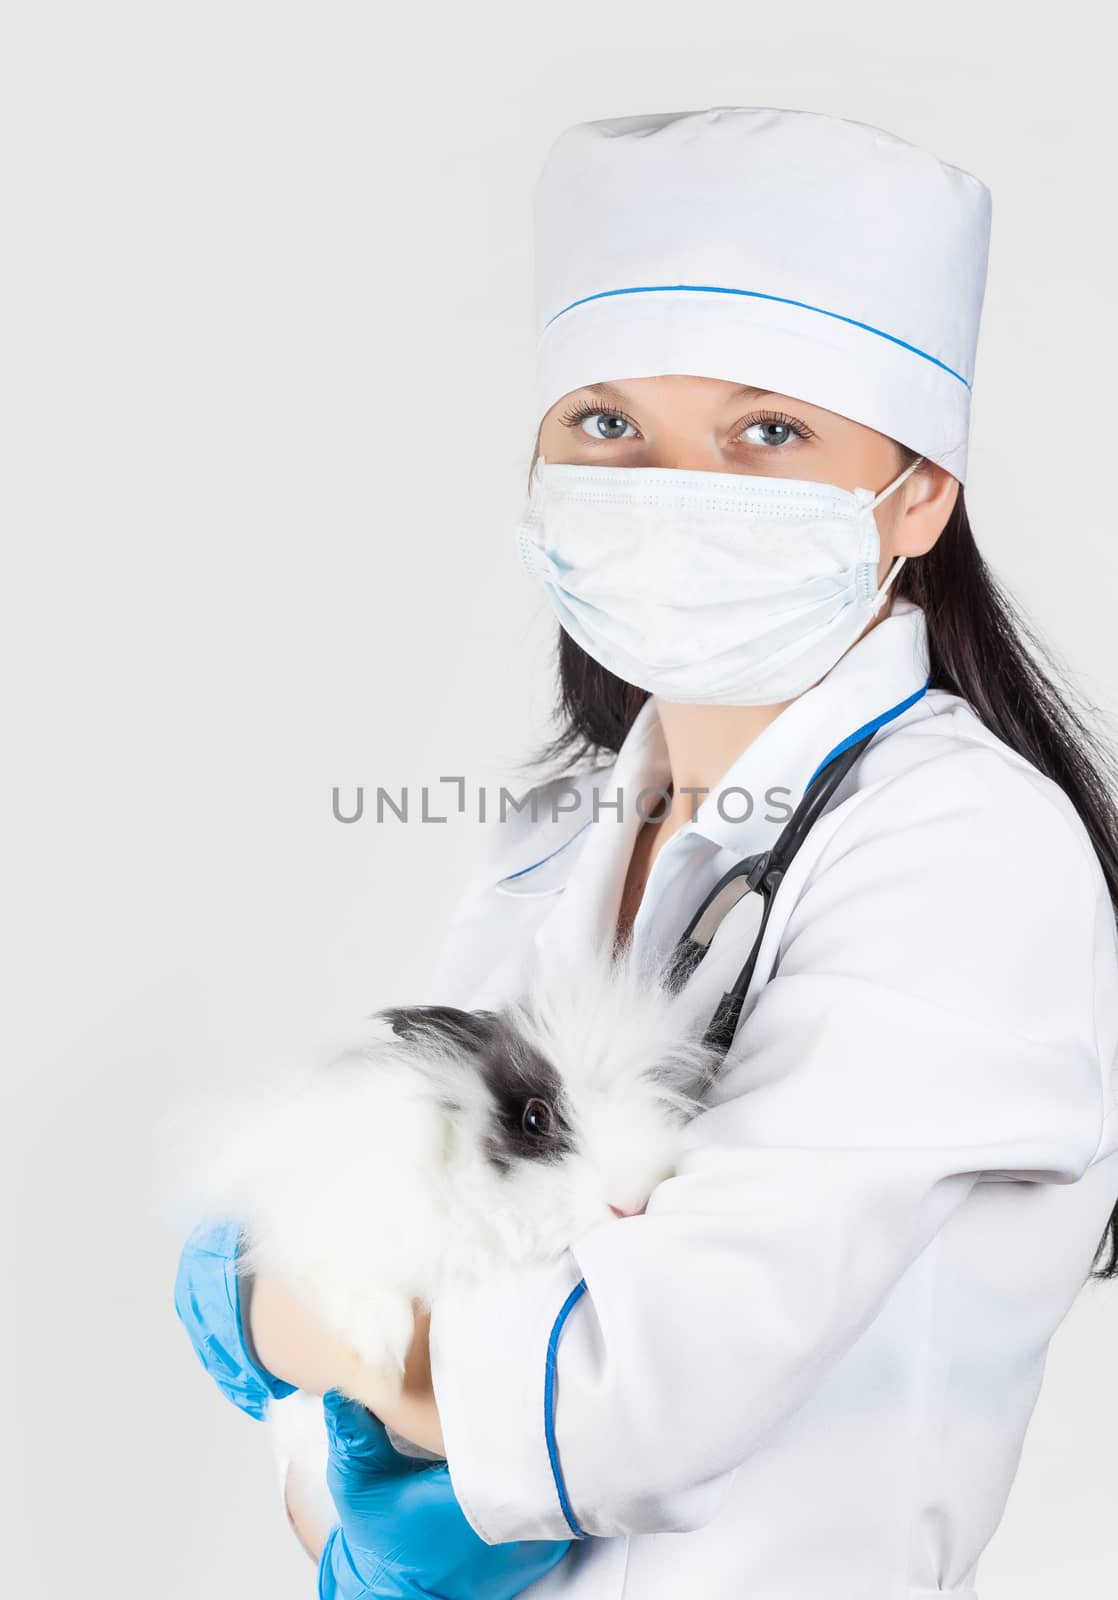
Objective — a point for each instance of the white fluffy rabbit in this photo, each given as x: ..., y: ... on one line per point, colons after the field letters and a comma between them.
x: 451, y: 1144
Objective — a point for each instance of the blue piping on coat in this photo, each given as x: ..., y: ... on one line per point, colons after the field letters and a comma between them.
x: 868, y: 727
x: 550, y: 1367
x: 549, y: 1406
x: 519, y: 873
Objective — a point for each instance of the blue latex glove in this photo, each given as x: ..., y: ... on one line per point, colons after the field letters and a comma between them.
x: 402, y: 1533
x: 208, y: 1301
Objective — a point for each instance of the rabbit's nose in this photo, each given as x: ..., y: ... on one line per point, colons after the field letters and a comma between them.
x: 617, y: 1211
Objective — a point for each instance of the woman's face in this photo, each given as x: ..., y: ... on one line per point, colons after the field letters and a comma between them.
x: 713, y: 425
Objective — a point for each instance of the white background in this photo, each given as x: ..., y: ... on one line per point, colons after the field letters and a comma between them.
x: 266, y: 367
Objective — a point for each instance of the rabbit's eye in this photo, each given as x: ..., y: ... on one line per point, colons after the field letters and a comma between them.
x: 537, y: 1118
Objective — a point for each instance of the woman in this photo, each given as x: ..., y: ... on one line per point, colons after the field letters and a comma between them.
x: 807, y: 1367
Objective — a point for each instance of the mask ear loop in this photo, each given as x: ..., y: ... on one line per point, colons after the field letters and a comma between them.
x: 899, y: 479
x: 879, y: 597
x: 535, y: 488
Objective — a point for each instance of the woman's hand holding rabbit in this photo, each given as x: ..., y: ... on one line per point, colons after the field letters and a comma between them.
x: 415, y: 1415
x: 289, y: 1341
x: 402, y: 1534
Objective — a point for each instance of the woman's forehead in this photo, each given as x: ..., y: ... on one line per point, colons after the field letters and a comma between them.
x: 691, y: 389
x: 623, y: 389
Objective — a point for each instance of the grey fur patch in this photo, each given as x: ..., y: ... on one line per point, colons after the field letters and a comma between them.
x: 512, y: 1070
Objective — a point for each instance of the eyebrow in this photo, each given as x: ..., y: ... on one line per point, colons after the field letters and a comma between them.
x: 609, y: 391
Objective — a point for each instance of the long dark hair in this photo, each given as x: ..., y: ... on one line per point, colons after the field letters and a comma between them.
x: 980, y: 647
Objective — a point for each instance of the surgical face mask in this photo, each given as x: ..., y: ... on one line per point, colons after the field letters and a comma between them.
x: 716, y: 588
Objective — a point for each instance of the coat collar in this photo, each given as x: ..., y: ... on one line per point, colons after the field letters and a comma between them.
x: 590, y: 846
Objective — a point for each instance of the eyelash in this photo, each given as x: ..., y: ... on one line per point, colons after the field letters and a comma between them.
x: 585, y: 408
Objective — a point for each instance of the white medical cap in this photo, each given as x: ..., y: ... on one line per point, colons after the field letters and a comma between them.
x: 799, y: 253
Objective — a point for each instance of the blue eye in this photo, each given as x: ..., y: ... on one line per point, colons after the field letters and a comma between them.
x: 606, y: 425
x: 767, y: 429
x: 774, y: 429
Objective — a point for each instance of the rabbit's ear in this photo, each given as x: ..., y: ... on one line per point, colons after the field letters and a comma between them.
x: 463, y: 1030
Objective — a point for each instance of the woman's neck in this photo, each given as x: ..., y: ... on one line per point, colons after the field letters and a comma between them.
x: 703, y: 742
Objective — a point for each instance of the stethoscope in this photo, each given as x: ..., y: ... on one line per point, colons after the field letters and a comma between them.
x: 761, y: 876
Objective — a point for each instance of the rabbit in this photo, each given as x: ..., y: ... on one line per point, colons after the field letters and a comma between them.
x: 453, y: 1144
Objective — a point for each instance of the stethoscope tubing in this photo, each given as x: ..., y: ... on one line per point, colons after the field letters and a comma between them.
x: 759, y: 874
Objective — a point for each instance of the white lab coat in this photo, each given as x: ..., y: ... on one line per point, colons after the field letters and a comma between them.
x: 807, y: 1370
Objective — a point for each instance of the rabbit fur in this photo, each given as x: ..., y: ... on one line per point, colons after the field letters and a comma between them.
x: 450, y: 1145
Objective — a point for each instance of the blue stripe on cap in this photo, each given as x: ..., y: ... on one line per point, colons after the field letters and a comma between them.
x: 756, y: 294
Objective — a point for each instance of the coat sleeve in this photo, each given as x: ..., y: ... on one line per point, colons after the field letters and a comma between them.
x: 930, y: 1025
